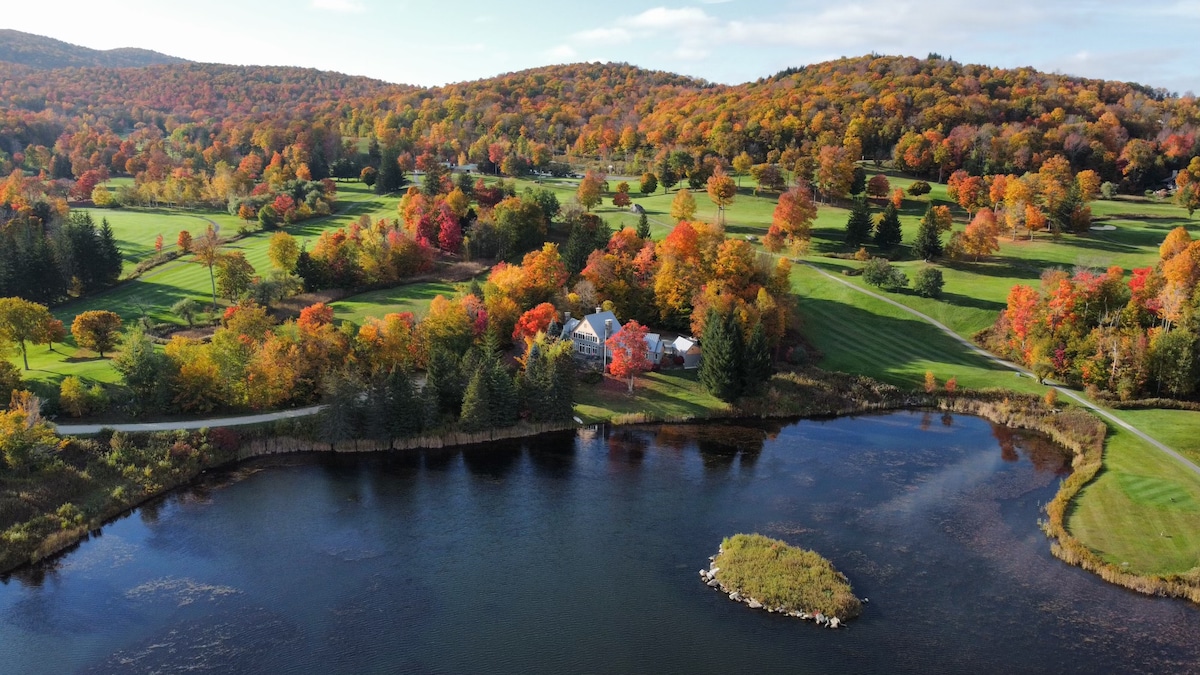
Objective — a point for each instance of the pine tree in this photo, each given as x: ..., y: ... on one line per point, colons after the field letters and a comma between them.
x: 505, y: 401
x: 405, y: 417
x: 888, y: 233
x: 340, y: 419
x: 757, y: 361
x: 390, y: 176
x: 721, y: 369
x: 858, y: 226
x: 858, y: 182
x: 444, y: 379
x: 929, y: 241
x: 643, y: 227
x: 110, y: 263
x: 476, y: 412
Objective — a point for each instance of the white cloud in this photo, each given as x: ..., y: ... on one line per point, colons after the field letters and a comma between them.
x: 353, y: 6
x: 562, y: 53
x: 604, y: 36
x: 662, y: 18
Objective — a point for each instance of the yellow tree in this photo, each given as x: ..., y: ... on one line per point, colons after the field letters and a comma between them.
x: 283, y: 252
x: 721, y: 190
x: 589, y: 190
x: 683, y: 207
x: 22, y: 321
x: 207, y: 249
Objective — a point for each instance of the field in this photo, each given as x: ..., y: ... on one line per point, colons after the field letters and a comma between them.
x: 413, y: 298
x: 153, y: 293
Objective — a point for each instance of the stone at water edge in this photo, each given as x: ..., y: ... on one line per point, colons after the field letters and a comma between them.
x: 834, y: 622
x: 713, y: 583
x: 754, y: 604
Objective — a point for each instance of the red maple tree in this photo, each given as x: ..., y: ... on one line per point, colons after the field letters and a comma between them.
x: 629, y: 352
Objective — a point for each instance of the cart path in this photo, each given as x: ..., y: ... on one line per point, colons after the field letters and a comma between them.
x: 83, y: 429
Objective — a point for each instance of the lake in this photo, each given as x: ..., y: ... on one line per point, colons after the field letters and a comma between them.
x: 578, y: 553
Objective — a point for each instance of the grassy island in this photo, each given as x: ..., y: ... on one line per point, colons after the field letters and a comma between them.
x: 779, y: 575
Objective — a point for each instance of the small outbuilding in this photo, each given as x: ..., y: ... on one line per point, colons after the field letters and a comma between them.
x: 686, y: 348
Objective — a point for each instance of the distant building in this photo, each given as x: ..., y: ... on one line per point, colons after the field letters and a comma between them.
x: 687, y: 349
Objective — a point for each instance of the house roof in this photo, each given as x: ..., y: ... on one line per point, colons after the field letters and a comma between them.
x: 654, y: 341
x: 595, y: 323
x: 683, y: 344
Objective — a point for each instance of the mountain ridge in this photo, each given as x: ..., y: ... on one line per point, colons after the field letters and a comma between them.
x: 47, y: 53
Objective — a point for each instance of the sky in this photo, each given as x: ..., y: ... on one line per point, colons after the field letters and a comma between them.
x: 729, y: 41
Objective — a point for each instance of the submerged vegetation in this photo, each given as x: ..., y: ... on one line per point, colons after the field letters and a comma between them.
x: 778, y: 575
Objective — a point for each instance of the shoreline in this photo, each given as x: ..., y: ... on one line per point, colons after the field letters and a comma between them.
x: 1003, y: 407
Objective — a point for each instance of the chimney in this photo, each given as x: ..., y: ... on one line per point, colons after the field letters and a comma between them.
x: 566, y: 318
x: 598, y: 309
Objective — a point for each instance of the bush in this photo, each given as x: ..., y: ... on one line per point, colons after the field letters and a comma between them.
x: 879, y: 273
x: 929, y: 283
x: 591, y: 377
x: 1108, y: 189
x: 919, y: 188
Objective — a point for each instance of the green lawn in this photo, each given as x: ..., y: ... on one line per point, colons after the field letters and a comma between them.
x: 1143, y: 509
x: 136, y: 229
x: 671, y: 394
x: 153, y: 293
x: 413, y: 298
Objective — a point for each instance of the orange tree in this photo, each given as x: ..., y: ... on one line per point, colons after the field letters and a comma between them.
x: 629, y: 352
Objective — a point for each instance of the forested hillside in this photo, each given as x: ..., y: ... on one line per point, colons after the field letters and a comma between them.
x: 39, y: 51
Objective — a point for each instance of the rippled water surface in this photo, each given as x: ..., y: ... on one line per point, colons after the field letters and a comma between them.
x: 579, y: 554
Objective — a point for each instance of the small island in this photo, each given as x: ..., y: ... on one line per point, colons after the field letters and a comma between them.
x: 769, y: 574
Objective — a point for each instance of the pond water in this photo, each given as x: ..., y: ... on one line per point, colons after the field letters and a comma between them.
x: 578, y: 553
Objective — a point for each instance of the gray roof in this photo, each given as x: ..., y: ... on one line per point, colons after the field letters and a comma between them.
x: 596, y: 322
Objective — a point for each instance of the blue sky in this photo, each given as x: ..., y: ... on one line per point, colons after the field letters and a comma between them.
x: 428, y: 43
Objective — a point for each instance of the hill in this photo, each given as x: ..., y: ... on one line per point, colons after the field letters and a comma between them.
x: 38, y: 51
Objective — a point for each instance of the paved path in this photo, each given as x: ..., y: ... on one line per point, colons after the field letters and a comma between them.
x: 76, y: 429
x: 1070, y: 393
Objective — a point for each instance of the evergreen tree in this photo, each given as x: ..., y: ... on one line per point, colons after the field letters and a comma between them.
x: 405, y: 417
x: 504, y: 400
x: 444, y: 379
x: 643, y: 227
x: 888, y: 233
x: 340, y: 420
x: 858, y: 226
x: 722, y: 370
x: 858, y: 182
x: 476, y: 414
x: 110, y: 261
x: 143, y: 369
x: 377, y: 409
x: 929, y: 241
x: 757, y: 361
x: 390, y: 176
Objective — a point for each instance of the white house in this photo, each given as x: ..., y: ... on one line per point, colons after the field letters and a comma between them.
x: 590, y: 333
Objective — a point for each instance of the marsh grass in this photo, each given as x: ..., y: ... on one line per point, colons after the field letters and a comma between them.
x: 779, y: 575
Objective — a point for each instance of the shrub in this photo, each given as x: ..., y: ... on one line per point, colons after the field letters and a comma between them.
x: 880, y: 273
x: 919, y: 188
x: 929, y: 283
x: 1108, y: 189
x: 591, y: 377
